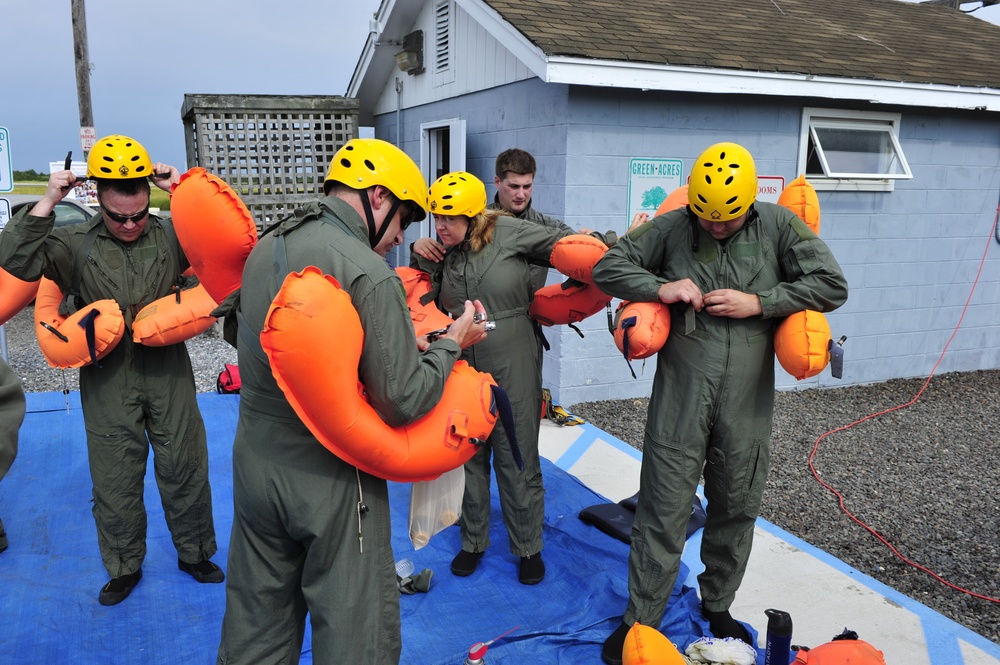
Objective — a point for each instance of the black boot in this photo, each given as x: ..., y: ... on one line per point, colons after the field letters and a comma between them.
x: 722, y: 624
x: 615, y: 644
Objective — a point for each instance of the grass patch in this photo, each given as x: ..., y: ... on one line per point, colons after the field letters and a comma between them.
x: 157, y: 197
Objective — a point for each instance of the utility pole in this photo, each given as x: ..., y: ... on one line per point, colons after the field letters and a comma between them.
x: 82, y: 60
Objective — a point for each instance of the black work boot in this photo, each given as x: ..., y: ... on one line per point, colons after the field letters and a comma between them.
x: 118, y: 589
x: 615, y: 644
x: 465, y: 563
x: 531, y: 569
x: 723, y: 625
x: 204, y: 571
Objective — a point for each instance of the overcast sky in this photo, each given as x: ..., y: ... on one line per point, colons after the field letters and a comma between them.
x: 147, y: 55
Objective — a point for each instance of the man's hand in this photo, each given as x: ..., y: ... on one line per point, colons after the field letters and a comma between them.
x: 683, y: 290
x: 732, y: 303
x: 429, y: 249
x: 56, y: 190
x: 165, y: 176
x: 465, y: 332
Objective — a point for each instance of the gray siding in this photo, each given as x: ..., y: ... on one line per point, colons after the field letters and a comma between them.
x: 911, y: 255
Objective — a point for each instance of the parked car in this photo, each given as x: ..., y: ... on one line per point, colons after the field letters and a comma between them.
x: 68, y: 211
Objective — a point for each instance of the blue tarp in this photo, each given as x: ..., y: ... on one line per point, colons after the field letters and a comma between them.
x: 50, y: 576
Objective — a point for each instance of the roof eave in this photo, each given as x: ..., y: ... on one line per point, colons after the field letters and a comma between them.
x: 647, y: 76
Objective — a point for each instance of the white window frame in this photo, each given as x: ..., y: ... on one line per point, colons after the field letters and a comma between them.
x: 818, y: 118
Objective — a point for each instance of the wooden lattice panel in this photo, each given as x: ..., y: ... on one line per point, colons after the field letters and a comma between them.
x: 274, y: 151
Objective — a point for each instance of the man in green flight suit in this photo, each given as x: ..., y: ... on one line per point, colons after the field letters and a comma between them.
x: 733, y: 268
x: 138, y: 396
x: 311, y: 533
x: 11, y: 415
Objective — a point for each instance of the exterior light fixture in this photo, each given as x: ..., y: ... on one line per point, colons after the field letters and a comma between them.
x: 410, y: 58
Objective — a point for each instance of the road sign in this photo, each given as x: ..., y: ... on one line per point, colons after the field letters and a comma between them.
x: 88, y: 137
x: 4, y: 212
x: 6, y: 172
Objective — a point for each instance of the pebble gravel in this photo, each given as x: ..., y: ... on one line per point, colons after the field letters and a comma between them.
x: 923, y: 475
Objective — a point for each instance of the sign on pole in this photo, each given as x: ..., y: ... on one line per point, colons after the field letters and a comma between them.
x: 4, y: 212
x: 88, y: 137
x: 6, y: 171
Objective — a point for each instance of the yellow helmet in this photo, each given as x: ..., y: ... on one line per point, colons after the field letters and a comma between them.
x: 118, y: 157
x: 364, y: 163
x: 457, y: 193
x: 723, y: 183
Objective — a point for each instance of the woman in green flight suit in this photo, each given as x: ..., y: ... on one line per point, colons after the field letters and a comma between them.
x: 489, y: 257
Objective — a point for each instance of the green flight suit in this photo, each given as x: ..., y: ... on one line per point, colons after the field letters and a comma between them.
x: 12, y: 407
x: 138, y: 397
x: 500, y: 276
x: 295, y: 545
x: 539, y: 273
x: 713, y: 393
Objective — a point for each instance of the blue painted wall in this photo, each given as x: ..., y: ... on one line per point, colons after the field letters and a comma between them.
x: 911, y: 255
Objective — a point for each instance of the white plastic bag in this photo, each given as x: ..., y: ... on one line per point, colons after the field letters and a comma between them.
x: 727, y: 651
x: 435, y: 505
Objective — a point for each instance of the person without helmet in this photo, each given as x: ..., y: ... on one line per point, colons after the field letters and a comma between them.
x: 736, y: 266
x: 139, y: 396
x: 311, y: 533
x: 489, y: 256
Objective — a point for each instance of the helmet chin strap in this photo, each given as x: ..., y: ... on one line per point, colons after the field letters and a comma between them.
x: 374, y: 236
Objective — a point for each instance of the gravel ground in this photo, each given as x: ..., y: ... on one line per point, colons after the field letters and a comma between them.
x: 923, y: 476
x: 209, y: 354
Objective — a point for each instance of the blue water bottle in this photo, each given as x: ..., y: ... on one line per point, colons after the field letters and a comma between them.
x: 779, y: 638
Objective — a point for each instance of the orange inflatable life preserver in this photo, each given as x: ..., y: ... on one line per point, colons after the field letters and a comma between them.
x: 63, y: 340
x: 841, y: 652
x: 802, y: 344
x: 676, y: 199
x: 802, y: 341
x: 215, y: 230
x: 15, y: 294
x: 648, y: 646
x: 174, y: 318
x: 800, y: 197
x: 556, y: 304
x: 308, y: 309
x: 641, y: 328
x: 576, y: 255
x: 566, y: 303
x: 416, y: 284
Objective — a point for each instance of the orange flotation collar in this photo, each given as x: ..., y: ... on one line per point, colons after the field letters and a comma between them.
x: 578, y: 297
x: 567, y: 303
x: 641, y: 329
x: 174, y: 318
x: 64, y: 340
x: 801, y: 341
x: 215, y: 230
x: 648, y: 646
x: 676, y: 199
x: 425, y: 315
x: 15, y: 294
x: 311, y: 307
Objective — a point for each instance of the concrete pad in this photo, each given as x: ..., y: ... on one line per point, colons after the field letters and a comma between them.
x: 822, y: 594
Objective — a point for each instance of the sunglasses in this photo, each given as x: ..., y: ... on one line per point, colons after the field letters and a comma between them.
x: 119, y: 218
x: 407, y: 215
